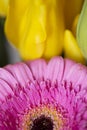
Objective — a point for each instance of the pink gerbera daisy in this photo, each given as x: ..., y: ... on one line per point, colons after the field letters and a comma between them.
x: 43, y: 96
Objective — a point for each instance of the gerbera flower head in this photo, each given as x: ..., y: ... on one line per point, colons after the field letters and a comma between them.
x: 37, y: 95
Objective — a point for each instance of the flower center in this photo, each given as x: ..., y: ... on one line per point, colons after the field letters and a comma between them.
x: 43, y: 118
x: 42, y: 123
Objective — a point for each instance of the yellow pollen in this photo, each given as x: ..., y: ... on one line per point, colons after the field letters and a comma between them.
x: 48, y: 112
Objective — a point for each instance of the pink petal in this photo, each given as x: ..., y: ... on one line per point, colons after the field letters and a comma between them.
x: 75, y: 73
x: 21, y: 73
x: 67, y: 66
x: 5, y: 89
x: 38, y: 68
x: 7, y: 77
x: 55, y: 69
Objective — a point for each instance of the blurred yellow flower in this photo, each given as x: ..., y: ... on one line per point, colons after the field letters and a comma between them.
x: 71, y: 48
x: 72, y: 8
x: 3, y: 7
x: 36, y: 27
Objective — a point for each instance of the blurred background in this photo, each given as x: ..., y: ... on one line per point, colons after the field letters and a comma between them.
x: 8, y: 54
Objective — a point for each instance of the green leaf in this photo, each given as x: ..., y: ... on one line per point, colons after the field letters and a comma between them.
x: 82, y: 30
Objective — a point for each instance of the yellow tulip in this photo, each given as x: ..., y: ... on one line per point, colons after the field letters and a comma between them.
x: 72, y: 8
x: 71, y: 49
x: 3, y: 7
x: 36, y: 27
x: 74, y: 25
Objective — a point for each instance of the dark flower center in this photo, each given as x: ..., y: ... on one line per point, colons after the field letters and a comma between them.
x: 42, y: 123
